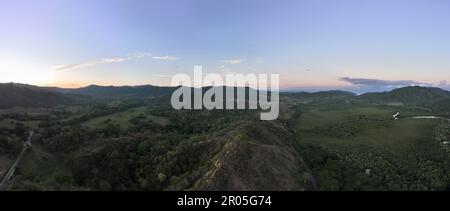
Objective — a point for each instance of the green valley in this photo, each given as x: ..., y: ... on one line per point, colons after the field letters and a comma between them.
x: 322, y: 141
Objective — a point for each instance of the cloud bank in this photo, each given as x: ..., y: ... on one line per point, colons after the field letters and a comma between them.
x: 364, y: 85
x: 378, y: 82
x: 165, y: 58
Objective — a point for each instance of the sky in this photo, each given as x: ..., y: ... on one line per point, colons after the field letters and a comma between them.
x: 313, y: 44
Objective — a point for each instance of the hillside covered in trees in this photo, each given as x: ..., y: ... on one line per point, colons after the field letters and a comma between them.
x: 134, y: 141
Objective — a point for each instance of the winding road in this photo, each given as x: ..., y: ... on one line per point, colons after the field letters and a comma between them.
x: 10, y: 173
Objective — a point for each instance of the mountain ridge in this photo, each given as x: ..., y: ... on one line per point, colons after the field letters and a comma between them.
x: 413, y: 95
x: 12, y: 94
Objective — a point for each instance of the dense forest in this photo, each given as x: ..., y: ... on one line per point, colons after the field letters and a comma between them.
x: 322, y: 141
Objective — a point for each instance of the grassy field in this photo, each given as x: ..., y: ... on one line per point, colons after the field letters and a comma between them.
x: 392, y: 135
x: 325, y: 116
x: 123, y: 119
x: 21, y: 110
x: 11, y: 123
x: 369, y: 126
x: 347, y: 142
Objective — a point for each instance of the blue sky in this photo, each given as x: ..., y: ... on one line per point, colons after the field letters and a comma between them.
x: 310, y: 43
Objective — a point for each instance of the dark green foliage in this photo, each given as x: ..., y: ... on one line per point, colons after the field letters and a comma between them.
x: 122, y: 92
x: 10, y: 146
x: 138, y: 142
x: 348, y: 151
x: 14, y: 95
x: 408, y: 96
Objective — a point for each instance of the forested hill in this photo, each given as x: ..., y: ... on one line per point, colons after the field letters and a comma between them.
x: 408, y: 95
x: 33, y: 96
x: 13, y: 95
x: 145, y: 91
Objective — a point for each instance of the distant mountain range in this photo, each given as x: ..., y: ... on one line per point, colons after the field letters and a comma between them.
x: 322, y: 96
x: 145, y: 91
x: 23, y: 95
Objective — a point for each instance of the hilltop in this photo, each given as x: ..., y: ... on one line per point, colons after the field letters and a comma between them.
x: 20, y: 95
x: 144, y: 91
x: 12, y: 94
x: 408, y: 96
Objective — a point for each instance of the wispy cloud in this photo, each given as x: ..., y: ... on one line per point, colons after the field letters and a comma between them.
x: 232, y: 61
x: 378, y: 82
x: 165, y: 58
x: 163, y: 75
x: 112, y: 60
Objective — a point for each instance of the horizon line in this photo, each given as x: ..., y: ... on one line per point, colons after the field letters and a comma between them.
x: 316, y: 89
